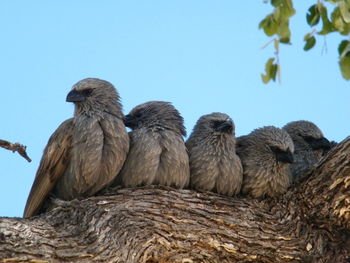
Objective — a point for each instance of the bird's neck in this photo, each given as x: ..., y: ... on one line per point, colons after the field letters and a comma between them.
x: 98, y: 110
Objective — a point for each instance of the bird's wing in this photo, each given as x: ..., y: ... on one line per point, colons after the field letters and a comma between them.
x: 204, y: 168
x: 231, y: 175
x: 52, y: 165
x: 142, y: 162
x: 174, y: 169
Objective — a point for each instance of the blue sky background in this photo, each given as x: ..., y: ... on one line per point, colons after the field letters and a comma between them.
x: 203, y: 56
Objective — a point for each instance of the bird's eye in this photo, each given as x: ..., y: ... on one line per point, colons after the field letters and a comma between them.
x: 216, y: 124
x: 308, y: 139
x: 137, y: 115
x: 86, y: 92
x: 276, y: 149
x: 284, y: 156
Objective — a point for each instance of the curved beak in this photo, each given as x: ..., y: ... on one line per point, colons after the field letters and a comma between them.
x: 321, y: 143
x: 129, y: 121
x: 226, y: 126
x: 75, y: 96
x: 284, y: 157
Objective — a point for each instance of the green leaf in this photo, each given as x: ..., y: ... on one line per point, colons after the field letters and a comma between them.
x: 273, y: 71
x: 307, y: 36
x: 283, y: 10
x: 344, y: 65
x: 276, y: 3
x: 342, y: 46
x: 287, y: 9
x: 313, y: 16
x: 285, y: 40
x: 268, y: 66
x: 265, y: 78
x: 269, y: 25
x: 284, y: 32
x: 310, y: 43
x: 338, y: 22
x: 344, y: 11
x: 327, y: 26
x: 262, y: 23
x: 344, y: 58
x: 277, y: 14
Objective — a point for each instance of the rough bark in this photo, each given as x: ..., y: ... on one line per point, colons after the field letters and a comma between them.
x: 311, y: 223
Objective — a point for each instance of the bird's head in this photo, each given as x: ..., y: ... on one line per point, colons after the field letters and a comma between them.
x: 276, y: 143
x: 157, y: 115
x: 308, y: 133
x: 214, y: 123
x: 93, y: 95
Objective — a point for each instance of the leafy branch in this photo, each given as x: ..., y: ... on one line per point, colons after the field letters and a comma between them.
x: 276, y: 25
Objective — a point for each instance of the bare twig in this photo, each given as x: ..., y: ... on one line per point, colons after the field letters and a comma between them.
x: 15, y: 147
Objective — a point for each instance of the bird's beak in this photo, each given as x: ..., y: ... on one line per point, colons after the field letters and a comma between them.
x: 284, y: 157
x: 321, y: 143
x: 129, y: 121
x: 226, y: 126
x: 75, y: 96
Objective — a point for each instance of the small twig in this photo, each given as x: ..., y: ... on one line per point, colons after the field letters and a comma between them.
x: 268, y: 43
x: 15, y: 147
x: 324, y: 47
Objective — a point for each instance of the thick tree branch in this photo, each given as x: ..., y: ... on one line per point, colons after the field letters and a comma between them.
x: 15, y: 147
x: 309, y: 224
x: 326, y: 194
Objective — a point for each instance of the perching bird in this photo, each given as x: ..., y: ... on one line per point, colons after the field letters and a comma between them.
x: 214, y: 164
x: 86, y: 152
x: 310, y: 146
x: 157, y: 153
x: 266, y: 154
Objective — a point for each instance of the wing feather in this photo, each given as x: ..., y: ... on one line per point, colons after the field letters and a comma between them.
x: 52, y: 165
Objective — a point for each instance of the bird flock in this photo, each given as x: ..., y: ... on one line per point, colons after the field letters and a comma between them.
x: 92, y: 151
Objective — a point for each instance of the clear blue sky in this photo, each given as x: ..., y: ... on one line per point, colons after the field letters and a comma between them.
x: 203, y: 56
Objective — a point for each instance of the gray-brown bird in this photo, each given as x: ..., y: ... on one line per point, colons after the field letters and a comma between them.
x: 86, y: 152
x: 310, y: 146
x: 157, y: 153
x: 214, y: 164
x: 266, y: 154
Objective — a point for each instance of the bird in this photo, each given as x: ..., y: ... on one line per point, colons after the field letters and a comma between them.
x: 214, y: 164
x: 158, y: 154
x: 310, y: 146
x: 266, y: 154
x: 86, y: 152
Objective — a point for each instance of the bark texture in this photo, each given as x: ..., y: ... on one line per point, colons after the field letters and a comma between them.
x: 310, y: 223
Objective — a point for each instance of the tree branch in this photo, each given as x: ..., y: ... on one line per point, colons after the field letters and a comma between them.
x: 326, y: 194
x: 15, y: 147
x: 156, y: 224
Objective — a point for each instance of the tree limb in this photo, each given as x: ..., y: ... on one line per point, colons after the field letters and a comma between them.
x: 15, y: 147
x: 326, y: 194
x: 156, y: 224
